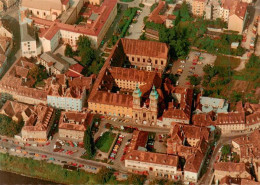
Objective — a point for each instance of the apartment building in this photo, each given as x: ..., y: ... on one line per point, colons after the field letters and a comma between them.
x: 179, y: 109
x: 29, y: 45
x: 248, y: 147
x: 46, y: 9
x: 39, y: 124
x: 15, y: 82
x: 198, y: 7
x: 230, y: 169
x: 38, y: 119
x: 73, y: 124
x: 55, y: 63
x: 99, y: 20
x: 146, y: 55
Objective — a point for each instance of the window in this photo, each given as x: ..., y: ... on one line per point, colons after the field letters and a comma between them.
x: 138, y: 59
x: 156, y: 61
x: 144, y: 115
x: 37, y: 12
x: 144, y: 60
x: 133, y: 59
x: 162, y: 62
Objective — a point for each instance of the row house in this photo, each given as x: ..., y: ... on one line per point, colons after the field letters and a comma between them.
x: 72, y: 124
x: 231, y: 169
x: 38, y: 119
x: 52, y: 33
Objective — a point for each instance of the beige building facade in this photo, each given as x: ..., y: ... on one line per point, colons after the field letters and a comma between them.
x: 198, y: 7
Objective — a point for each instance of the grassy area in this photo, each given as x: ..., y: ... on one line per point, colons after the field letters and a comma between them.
x: 224, y: 61
x: 126, y: 1
x: 105, y: 142
x: 44, y: 170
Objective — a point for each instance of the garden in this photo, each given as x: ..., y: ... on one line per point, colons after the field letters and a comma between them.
x: 8, y: 127
x: 105, y: 141
x: 123, y: 26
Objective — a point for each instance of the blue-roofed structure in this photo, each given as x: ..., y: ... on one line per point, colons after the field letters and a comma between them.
x: 213, y: 104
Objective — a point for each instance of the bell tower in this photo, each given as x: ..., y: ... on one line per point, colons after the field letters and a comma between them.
x: 154, y: 100
x: 137, y: 97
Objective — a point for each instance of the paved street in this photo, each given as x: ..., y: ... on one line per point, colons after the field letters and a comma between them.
x: 190, y: 69
x: 136, y: 28
x: 207, y: 177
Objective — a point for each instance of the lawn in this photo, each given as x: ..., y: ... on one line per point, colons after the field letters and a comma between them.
x: 105, y: 141
x: 44, y: 170
x: 225, y: 61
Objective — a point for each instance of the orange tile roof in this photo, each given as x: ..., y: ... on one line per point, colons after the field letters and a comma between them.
x: 13, y: 80
x: 139, y: 139
x: 75, y: 120
x: 203, y: 120
x: 231, y: 167
x: 145, y: 48
x: 190, y: 131
x: 249, y: 145
x: 89, y: 29
x: 40, y: 119
x: 230, y: 118
x: 153, y: 158
x: 155, y: 14
x: 194, y: 162
x: 249, y: 182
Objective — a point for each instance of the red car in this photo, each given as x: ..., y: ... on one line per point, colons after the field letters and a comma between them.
x: 187, y: 83
x: 74, y: 164
x: 27, y: 144
x: 194, y: 63
x: 44, y: 156
x: 195, y: 75
x: 81, y: 165
x: 61, y: 150
x: 48, y: 143
x: 4, y: 140
x: 71, y: 144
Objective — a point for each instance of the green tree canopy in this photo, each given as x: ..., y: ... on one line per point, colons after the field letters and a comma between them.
x: 226, y: 149
x: 68, y: 51
x: 104, y: 175
x: 89, y: 144
x: 8, y: 127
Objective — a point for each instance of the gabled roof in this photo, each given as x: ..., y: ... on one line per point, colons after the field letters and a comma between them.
x: 153, y: 158
x: 145, y: 48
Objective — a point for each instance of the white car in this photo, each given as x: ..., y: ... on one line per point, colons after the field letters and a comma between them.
x: 183, y: 62
x: 177, y: 83
x: 182, y: 66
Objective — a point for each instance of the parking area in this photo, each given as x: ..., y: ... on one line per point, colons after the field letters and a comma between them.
x: 193, y: 65
x: 135, y: 29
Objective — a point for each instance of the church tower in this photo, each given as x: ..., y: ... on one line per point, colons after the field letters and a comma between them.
x: 154, y: 100
x: 137, y: 97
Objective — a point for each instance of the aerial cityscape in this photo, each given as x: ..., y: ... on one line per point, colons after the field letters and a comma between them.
x: 128, y: 92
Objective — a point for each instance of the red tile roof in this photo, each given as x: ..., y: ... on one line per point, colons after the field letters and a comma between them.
x: 75, y: 71
x: 194, y: 162
x: 231, y: 167
x: 13, y: 80
x: 154, y: 158
x: 89, y: 29
x: 72, y: 120
x: 249, y: 146
x: 155, y: 14
x: 145, y: 48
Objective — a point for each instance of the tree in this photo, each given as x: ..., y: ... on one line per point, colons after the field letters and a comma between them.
x: 85, y: 51
x: 136, y: 179
x: 8, y: 127
x: 226, y: 149
x: 68, y: 51
x: 178, y: 19
x: 104, y: 175
x: 89, y: 144
x: 194, y: 80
